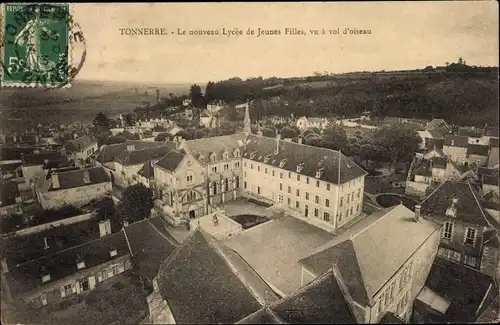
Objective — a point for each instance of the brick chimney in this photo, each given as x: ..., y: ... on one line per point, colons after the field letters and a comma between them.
x: 417, y: 212
x: 277, y: 148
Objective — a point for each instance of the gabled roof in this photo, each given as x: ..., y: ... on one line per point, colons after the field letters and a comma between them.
x: 468, y: 207
x: 357, y: 252
x: 438, y: 124
x: 434, y: 143
x: 73, y: 178
x: 491, y: 131
x: 108, y: 153
x: 423, y: 168
x: 456, y: 141
x: 15, y: 153
x: 200, y: 287
x: 312, y: 158
x: 136, y: 157
x: 171, y: 160
x: 147, y: 170
x: 262, y: 316
x: 322, y: 301
x: 206, y: 146
x: 80, y: 143
x: 490, y: 179
x: 436, y: 134
x: 464, y: 287
x: 470, y: 132
x: 438, y: 162
x: 477, y: 149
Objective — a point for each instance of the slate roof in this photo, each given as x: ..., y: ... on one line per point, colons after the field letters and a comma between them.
x: 438, y: 162
x: 261, y: 316
x: 28, y: 276
x: 147, y: 170
x: 171, y: 160
x: 320, y: 302
x: 73, y: 178
x: 312, y: 158
x: 470, y: 132
x: 358, y: 251
x: 494, y: 142
x: 458, y: 141
x: 477, y: 149
x: 136, y: 157
x: 80, y: 143
x: 436, y: 134
x: 108, y: 153
x: 390, y: 318
x: 43, y: 158
x: 200, y: 287
x: 464, y: 287
x: 468, y: 207
x: 423, y: 168
x: 149, y: 247
x: 205, y: 146
x: 15, y: 153
x: 490, y: 179
x: 8, y: 193
x: 491, y: 131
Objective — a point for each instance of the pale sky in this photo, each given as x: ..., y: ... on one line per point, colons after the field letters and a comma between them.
x: 404, y: 35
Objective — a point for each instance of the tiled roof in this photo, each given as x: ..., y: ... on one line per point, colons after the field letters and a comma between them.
x: 15, y: 153
x: 438, y: 124
x: 42, y: 157
x: 80, y: 143
x: 494, y: 142
x: 73, y: 178
x: 171, y: 160
x: 110, y: 152
x: 470, y: 132
x: 28, y: 276
x: 438, y: 162
x: 261, y: 316
x: 477, y: 149
x: 312, y: 158
x: 491, y: 131
x: 456, y: 141
x: 200, y: 287
x: 436, y: 134
x: 320, y: 302
x: 147, y: 170
x: 140, y: 156
x: 8, y: 193
x: 217, y: 145
x: 490, y: 179
x: 149, y: 247
x: 358, y: 251
x: 390, y: 318
x: 464, y: 287
x: 468, y: 208
x: 423, y: 168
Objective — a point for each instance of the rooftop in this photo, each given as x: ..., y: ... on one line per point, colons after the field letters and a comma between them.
x: 438, y: 124
x: 8, y: 193
x: 108, y: 153
x: 456, y: 141
x: 468, y: 208
x: 274, y: 248
x: 470, y: 132
x: 43, y: 158
x: 72, y: 178
x: 477, y: 149
x: 357, y: 252
x: 494, y: 142
x: 140, y: 156
x: 171, y: 160
x: 220, y: 295
x: 81, y: 143
x: 491, y: 131
x: 217, y: 145
x: 261, y: 316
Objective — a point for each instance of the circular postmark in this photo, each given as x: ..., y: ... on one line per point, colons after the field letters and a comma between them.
x: 39, y: 44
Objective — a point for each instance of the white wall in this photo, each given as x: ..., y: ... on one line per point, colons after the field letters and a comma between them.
x: 75, y: 196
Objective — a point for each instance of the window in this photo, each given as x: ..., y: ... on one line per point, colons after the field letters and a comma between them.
x: 67, y: 289
x: 104, y: 274
x: 359, y: 193
x: 258, y: 168
x: 326, y: 216
x: 214, y: 186
x: 289, y: 201
x: 357, y: 207
x: 273, y: 172
x: 317, y: 199
x: 297, y: 192
x: 289, y: 175
x: 351, y: 212
x: 379, y: 310
x: 340, y: 217
x: 265, y: 170
x: 307, y: 195
x: 306, y: 210
x: 327, y: 186
x: 327, y: 203
x: 245, y: 163
x: 470, y: 260
x: 214, y: 169
x: 347, y: 213
x: 80, y: 265
x: 341, y: 201
x: 189, y: 179
x: 470, y: 236
x: 298, y: 178
x: 251, y: 166
x: 245, y: 174
x: 237, y: 181
x: 289, y: 189
x: 226, y: 167
x: 280, y: 199
x: 281, y: 175
x: 237, y: 164
x: 307, y: 180
x: 447, y: 230
x: 316, y: 212
x: 116, y: 270
x: 245, y: 184
x: 226, y: 185
x: 297, y: 204
x: 258, y: 189
x: 317, y: 183
x: 281, y: 186
x: 348, y: 196
x: 46, y: 278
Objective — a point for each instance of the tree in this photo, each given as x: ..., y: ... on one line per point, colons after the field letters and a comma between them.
x: 335, y: 135
x: 232, y: 113
x: 370, y: 152
x: 130, y: 119
x: 210, y: 92
x: 162, y: 137
x: 136, y: 203
x: 101, y: 122
x: 129, y: 136
x: 114, y: 139
x: 268, y: 132
x: 399, y: 141
x: 196, y: 96
x: 288, y: 132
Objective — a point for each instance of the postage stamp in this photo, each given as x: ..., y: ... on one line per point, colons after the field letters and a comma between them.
x: 36, y: 47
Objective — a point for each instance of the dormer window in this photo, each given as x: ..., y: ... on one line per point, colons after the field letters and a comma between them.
x: 113, y: 253
x: 45, y: 278
x: 213, y: 157
x: 80, y: 265
x: 452, y: 210
x: 252, y: 155
x: 225, y: 155
x: 237, y: 152
x: 300, y: 167
x: 319, y: 172
x: 266, y: 159
x: 282, y: 162
x: 452, y: 142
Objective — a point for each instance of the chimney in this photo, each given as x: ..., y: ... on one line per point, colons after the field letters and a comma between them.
x: 86, y: 176
x: 5, y: 267
x: 75, y: 136
x: 130, y: 147
x: 417, y: 212
x: 125, y: 223
x: 277, y: 149
x: 55, y: 181
x: 46, y: 245
x: 104, y: 228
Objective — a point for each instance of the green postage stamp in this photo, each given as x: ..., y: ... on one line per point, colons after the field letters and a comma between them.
x: 35, y: 45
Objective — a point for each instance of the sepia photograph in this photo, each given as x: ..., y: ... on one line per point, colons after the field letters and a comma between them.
x: 249, y: 163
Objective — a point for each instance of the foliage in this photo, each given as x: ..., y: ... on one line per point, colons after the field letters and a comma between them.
x: 162, y: 137
x: 11, y: 223
x: 268, y: 132
x: 104, y: 208
x: 335, y: 137
x: 288, y: 132
x: 130, y: 119
x: 50, y: 215
x: 196, y: 96
x: 101, y: 122
x: 136, y: 203
x: 400, y: 142
x: 129, y: 136
x: 114, y: 139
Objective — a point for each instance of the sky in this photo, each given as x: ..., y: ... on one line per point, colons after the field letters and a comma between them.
x: 405, y: 35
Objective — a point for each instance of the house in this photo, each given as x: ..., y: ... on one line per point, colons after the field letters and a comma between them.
x: 11, y: 201
x: 146, y: 175
x: 489, y: 180
x: 455, y: 147
x: 199, y: 294
x: 453, y: 294
x: 11, y: 170
x: 75, y: 186
x: 494, y: 153
x: 438, y: 125
x: 81, y: 148
x: 209, y: 120
x: 475, y: 135
x: 456, y: 206
x: 477, y: 154
x: 34, y: 164
x: 429, y: 134
x: 376, y: 287
x: 312, y: 122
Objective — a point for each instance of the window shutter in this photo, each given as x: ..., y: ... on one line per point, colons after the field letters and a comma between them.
x: 63, y: 292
